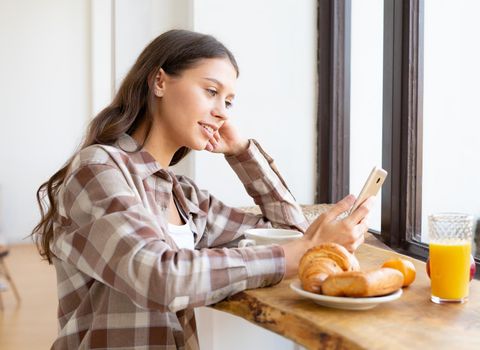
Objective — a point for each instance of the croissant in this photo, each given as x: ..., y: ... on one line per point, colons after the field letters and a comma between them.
x: 363, y: 284
x: 322, y: 261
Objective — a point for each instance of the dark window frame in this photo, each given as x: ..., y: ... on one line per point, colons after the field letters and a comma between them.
x: 403, y: 125
x: 333, y: 109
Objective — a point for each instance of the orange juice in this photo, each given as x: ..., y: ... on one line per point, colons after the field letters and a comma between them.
x: 450, y: 269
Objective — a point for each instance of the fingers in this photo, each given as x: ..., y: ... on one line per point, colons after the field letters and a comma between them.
x: 359, y: 234
x: 356, y: 244
x: 358, y: 224
x: 340, y: 207
x: 362, y: 211
x: 348, y: 232
x: 213, y: 142
x: 209, y: 147
x: 356, y: 237
x: 216, y: 136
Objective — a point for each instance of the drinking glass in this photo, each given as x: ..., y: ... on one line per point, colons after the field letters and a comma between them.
x: 450, y: 237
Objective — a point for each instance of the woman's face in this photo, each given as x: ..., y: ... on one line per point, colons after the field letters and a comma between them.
x: 195, y: 104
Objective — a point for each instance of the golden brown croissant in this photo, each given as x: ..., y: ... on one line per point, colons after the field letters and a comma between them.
x: 363, y: 284
x: 322, y: 261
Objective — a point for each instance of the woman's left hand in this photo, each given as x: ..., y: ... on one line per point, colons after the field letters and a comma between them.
x: 227, y: 140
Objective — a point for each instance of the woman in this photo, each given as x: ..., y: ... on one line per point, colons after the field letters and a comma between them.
x: 135, y: 247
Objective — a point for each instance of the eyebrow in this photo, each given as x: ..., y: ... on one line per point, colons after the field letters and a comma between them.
x: 218, y: 83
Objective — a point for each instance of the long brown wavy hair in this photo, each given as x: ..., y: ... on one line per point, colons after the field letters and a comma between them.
x: 173, y: 51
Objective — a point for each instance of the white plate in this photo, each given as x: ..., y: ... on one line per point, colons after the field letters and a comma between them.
x: 345, y: 303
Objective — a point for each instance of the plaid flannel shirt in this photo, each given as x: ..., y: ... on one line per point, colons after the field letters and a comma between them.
x: 122, y: 281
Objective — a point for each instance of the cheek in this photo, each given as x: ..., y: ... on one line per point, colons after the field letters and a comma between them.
x: 195, y: 106
x: 190, y: 102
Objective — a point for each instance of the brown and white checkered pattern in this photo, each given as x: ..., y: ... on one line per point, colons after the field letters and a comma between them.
x: 122, y: 281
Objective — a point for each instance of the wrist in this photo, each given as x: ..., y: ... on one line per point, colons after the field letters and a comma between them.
x: 238, y: 148
x: 294, y: 251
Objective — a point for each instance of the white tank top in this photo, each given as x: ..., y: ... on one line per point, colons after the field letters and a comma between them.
x: 182, y: 235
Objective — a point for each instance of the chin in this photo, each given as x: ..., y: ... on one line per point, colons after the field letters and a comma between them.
x: 198, y: 146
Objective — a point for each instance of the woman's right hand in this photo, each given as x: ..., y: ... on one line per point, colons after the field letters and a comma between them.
x: 348, y: 231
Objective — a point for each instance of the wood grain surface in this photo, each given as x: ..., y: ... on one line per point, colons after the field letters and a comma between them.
x: 411, y: 322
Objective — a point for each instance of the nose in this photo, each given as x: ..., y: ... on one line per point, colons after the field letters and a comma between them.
x: 220, y: 111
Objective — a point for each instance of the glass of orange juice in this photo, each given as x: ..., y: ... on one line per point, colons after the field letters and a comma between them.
x: 450, y: 237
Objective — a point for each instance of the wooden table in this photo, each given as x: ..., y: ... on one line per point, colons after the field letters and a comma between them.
x: 411, y: 322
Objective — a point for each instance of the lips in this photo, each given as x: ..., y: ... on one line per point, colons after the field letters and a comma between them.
x: 209, y: 128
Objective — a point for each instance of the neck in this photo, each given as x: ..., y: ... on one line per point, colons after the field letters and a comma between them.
x: 156, y: 143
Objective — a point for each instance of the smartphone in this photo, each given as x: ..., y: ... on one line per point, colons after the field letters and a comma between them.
x: 371, y: 187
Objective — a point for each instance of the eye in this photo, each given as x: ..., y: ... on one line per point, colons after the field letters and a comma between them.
x: 212, y: 92
x: 228, y: 104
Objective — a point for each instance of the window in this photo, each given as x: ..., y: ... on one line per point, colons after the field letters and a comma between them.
x: 451, y: 120
x: 426, y: 150
x: 366, y: 93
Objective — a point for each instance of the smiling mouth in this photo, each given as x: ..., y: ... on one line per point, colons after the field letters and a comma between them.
x: 209, y: 129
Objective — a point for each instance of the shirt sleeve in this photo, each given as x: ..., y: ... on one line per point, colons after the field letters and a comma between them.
x: 107, y: 233
x: 262, y: 181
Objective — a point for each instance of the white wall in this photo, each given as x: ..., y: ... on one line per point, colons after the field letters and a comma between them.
x: 139, y: 22
x: 275, y: 45
x: 44, y: 100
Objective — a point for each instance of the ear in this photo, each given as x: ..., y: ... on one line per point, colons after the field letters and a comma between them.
x: 159, y: 83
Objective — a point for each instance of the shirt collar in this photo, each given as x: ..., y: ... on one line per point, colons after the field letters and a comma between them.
x: 144, y: 163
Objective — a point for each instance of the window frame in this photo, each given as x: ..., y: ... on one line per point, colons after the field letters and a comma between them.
x: 333, y: 108
x: 402, y: 137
